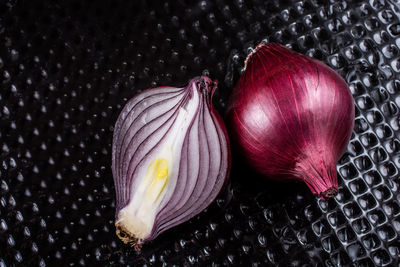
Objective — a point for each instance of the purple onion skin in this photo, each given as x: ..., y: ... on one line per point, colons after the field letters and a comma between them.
x: 291, y: 117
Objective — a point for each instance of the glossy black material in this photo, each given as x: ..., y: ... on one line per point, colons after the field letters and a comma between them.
x: 67, y: 69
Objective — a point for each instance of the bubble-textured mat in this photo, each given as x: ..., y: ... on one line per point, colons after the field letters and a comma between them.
x: 67, y: 69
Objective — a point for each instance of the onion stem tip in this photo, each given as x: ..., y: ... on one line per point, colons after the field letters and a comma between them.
x: 329, y: 193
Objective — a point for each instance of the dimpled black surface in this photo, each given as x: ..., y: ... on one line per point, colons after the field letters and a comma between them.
x: 67, y: 69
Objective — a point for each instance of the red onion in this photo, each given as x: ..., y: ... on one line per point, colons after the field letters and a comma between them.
x: 170, y: 159
x: 291, y: 117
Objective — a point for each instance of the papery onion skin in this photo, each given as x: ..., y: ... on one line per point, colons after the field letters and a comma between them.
x: 291, y: 117
x: 170, y: 159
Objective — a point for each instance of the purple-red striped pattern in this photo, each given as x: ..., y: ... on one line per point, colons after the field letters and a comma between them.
x: 291, y: 117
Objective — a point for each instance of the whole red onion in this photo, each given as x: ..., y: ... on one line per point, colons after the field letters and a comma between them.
x: 291, y: 117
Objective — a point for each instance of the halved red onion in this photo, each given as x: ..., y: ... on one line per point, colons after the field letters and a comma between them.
x: 170, y: 159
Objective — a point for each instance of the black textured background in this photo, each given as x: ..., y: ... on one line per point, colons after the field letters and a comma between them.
x: 66, y: 70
